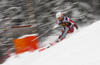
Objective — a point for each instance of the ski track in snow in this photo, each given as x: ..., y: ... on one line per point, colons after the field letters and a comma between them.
x: 81, y: 48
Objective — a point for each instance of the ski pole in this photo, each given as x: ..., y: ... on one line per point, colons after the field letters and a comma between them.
x: 41, y: 35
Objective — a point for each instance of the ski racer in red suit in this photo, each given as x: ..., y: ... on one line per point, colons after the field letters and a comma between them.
x: 67, y: 23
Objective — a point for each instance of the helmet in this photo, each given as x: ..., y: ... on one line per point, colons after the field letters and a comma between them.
x: 59, y: 15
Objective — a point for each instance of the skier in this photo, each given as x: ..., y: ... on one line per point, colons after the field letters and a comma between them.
x: 67, y: 23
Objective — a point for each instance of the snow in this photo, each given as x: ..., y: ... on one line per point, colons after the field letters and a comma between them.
x: 82, y: 48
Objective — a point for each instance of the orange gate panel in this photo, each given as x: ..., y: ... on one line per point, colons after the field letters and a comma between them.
x: 25, y: 43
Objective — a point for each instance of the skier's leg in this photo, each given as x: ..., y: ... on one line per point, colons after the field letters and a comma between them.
x: 63, y: 34
x: 58, y: 39
x: 71, y: 30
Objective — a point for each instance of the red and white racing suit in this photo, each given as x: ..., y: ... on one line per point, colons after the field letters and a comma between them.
x: 66, y: 28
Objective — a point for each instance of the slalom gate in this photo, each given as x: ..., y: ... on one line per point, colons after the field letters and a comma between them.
x: 23, y: 43
x: 28, y: 42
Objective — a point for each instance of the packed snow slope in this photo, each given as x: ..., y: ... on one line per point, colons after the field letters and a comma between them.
x: 82, y: 48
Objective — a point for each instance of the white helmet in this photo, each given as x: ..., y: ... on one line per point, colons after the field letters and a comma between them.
x: 59, y: 15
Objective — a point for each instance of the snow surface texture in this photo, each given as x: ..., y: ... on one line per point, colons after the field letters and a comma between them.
x: 82, y: 48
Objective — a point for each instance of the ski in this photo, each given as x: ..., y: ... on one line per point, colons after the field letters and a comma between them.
x: 46, y: 47
x: 49, y: 45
